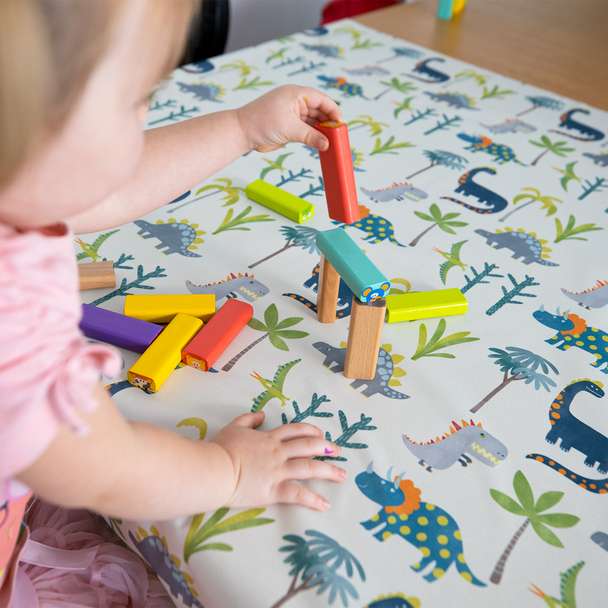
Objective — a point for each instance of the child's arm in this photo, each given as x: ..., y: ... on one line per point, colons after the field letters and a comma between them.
x: 179, y: 156
x: 138, y: 471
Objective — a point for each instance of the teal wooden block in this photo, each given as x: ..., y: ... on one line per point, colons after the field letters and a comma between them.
x: 278, y: 200
x: 355, y: 268
x: 425, y: 305
x: 444, y: 10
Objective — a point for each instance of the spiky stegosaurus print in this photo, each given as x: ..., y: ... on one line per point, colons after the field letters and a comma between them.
x: 175, y: 237
x: 525, y: 246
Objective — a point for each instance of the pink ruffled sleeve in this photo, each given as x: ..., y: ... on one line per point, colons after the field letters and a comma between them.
x: 47, y: 370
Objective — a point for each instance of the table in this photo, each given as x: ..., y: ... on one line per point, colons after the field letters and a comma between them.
x: 464, y: 183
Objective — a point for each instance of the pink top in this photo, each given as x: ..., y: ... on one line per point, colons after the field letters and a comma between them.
x: 47, y: 369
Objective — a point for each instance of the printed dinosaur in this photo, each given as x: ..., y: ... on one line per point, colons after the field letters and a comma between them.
x: 435, y: 76
x: 368, y: 70
x: 395, y: 192
x: 494, y: 202
x: 203, y: 91
x: 443, y: 452
x: 567, y: 582
x: 394, y: 600
x: 574, y: 331
x: 274, y: 387
x: 349, y: 89
x: 90, y: 251
x: 522, y: 244
x: 325, y: 50
x: 596, y: 297
x: 244, y: 285
x: 596, y: 486
x: 569, y: 123
x: 456, y: 100
x: 480, y: 143
x: 345, y: 295
x: 376, y: 227
x: 380, y: 385
x: 175, y: 237
x: 424, y: 525
x: 511, y: 125
x: 600, y: 159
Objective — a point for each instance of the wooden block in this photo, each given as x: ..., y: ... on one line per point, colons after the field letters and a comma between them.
x: 96, y: 275
x: 327, y: 292
x: 364, y: 337
x: 116, y: 329
x: 356, y: 269
x: 278, y: 200
x: 338, y: 173
x: 425, y: 305
x: 164, y: 354
x: 215, y: 337
x: 162, y: 308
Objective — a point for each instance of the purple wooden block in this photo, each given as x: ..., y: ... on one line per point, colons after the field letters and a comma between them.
x: 114, y: 328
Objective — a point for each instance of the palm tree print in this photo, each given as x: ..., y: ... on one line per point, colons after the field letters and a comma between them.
x: 445, y: 222
x: 441, y: 157
x: 557, y: 147
x: 276, y: 331
x: 316, y: 562
x: 519, y: 364
x: 464, y: 75
x: 296, y: 236
x: 395, y: 83
x: 533, y: 512
x: 548, y: 202
x: 367, y: 121
x: 225, y: 186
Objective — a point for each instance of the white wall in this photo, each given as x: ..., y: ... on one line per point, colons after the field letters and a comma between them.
x: 255, y: 21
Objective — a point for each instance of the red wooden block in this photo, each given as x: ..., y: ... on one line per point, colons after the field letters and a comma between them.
x: 217, y: 334
x: 338, y: 173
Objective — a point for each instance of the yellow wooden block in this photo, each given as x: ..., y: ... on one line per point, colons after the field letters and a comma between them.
x: 162, y: 308
x: 425, y: 305
x: 164, y: 354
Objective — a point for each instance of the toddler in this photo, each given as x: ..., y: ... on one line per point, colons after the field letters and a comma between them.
x: 75, y: 77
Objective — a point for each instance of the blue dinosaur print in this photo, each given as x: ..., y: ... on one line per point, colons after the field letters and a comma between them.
x: 574, y: 331
x: 468, y: 187
x: 480, y: 143
x: 200, y: 67
x: 345, y: 295
x: 246, y: 286
x: 379, y: 385
x: 155, y: 553
x: 394, y: 600
x: 348, y: 89
x: 174, y: 237
x: 424, y: 525
x: 435, y: 76
x: 203, y: 91
x: 456, y: 100
x: 600, y: 159
x: 368, y: 70
x: 596, y: 297
x: 569, y: 123
x: 522, y: 244
x: 396, y: 192
x: 325, y: 50
x: 511, y: 125
x: 376, y: 227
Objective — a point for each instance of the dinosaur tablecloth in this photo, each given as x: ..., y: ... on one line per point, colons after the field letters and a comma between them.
x: 477, y: 457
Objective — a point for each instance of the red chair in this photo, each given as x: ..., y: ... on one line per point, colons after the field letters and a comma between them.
x: 341, y: 9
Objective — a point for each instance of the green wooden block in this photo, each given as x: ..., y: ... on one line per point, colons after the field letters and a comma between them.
x: 425, y: 305
x: 278, y: 200
x: 355, y: 268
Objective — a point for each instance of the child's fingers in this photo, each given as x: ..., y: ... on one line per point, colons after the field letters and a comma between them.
x: 249, y: 420
x: 288, y: 432
x: 305, y: 468
x: 292, y: 493
x: 305, y: 447
x: 323, y: 106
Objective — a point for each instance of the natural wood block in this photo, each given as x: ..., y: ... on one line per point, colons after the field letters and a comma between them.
x: 327, y: 292
x: 96, y: 275
x: 364, y: 337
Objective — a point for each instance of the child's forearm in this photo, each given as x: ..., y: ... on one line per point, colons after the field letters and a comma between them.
x: 175, y: 158
x: 131, y: 470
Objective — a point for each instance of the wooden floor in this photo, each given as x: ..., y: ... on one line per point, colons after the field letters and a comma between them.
x: 558, y: 45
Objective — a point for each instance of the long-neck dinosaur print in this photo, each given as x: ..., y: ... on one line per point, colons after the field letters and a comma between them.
x: 424, y: 525
x: 470, y: 438
x: 567, y: 122
x: 434, y: 76
x: 574, y: 331
x: 494, y: 202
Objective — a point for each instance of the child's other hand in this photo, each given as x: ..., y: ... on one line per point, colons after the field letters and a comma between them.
x: 287, y: 113
x: 267, y: 462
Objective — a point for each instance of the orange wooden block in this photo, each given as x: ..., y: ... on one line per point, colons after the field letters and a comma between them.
x: 327, y: 298
x: 96, y: 275
x: 364, y: 337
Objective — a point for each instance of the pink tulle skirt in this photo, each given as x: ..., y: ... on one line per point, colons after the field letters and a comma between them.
x: 93, y: 571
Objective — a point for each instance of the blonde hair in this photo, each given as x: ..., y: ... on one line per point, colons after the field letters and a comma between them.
x: 49, y: 49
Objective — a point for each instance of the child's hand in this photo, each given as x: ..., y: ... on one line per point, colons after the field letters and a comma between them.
x: 287, y: 114
x: 266, y: 462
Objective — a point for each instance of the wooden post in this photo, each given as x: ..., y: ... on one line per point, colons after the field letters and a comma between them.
x: 364, y: 337
x: 327, y: 292
x: 95, y: 275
